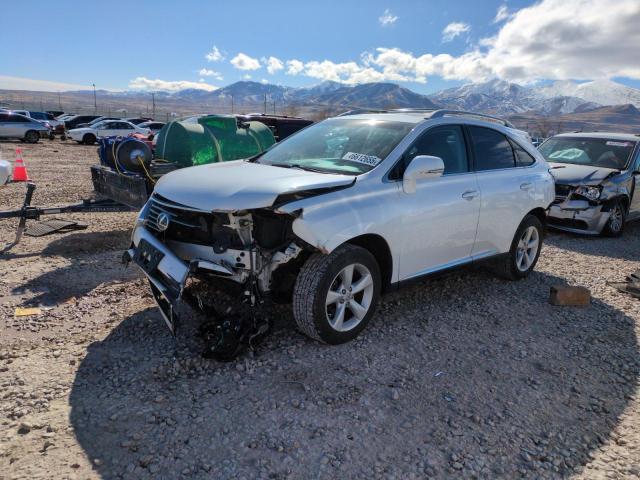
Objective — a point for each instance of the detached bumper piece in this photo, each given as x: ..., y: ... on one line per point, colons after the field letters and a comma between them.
x: 578, y: 216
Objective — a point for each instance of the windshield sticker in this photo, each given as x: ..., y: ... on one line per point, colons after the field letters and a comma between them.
x: 618, y: 144
x: 370, y: 160
x: 568, y: 154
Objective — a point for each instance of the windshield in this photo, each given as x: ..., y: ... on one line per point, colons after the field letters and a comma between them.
x: 340, y: 145
x: 595, y: 152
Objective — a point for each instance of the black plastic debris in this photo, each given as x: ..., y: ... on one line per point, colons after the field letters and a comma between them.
x: 631, y: 286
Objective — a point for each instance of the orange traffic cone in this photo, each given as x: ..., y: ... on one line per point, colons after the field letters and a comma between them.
x: 19, y: 170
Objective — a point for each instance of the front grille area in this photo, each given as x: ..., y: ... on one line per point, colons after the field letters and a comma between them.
x: 190, y: 226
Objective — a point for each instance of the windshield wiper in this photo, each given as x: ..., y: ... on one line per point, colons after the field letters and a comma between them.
x: 300, y: 167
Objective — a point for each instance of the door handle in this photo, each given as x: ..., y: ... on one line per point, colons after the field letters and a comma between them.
x: 526, y: 186
x: 470, y: 194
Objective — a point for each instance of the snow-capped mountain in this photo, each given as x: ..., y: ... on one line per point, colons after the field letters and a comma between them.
x: 505, y: 98
x: 604, y: 92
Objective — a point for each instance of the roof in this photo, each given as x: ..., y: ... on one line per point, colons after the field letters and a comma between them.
x: 406, y: 117
x: 607, y: 135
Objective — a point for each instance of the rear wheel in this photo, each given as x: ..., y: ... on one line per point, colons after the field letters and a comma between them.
x: 89, y: 139
x: 524, y: 252
x: 31, y: 136
x: 335, y: 295
x: 615, y: 224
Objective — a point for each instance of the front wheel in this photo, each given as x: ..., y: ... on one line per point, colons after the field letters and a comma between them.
x: 89, y: 139
x: 336, y: 295
x: 524, y: 252
x: 615, y: 224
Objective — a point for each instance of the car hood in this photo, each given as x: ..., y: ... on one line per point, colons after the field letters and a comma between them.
x: 569, y: 174
x: 240, y: 185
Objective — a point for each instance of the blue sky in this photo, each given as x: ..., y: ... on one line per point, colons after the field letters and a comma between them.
x: 424, y: 45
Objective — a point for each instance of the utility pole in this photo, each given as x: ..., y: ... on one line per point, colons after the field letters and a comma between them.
x: 274, y: 107
x: 95, y: 101
x: 232, y: 104
x: 59, y: 101
x: 265, y: 104
x: 153, y: 102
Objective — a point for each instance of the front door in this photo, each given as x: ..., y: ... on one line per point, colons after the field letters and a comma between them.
x: 439, y: 220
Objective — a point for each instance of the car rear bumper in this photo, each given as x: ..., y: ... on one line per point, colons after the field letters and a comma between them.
x: 578, y: 216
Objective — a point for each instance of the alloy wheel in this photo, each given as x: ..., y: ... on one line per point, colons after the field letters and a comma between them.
x: 349, y: 297
x: 615, y: 221
x: 527, y: 248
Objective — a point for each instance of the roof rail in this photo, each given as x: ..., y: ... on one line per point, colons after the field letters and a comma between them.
x: 359, y: 111
x: 444, y: 112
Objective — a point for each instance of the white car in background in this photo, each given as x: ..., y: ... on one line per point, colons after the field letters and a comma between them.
x: 346, y: 209
x: 106, y: 128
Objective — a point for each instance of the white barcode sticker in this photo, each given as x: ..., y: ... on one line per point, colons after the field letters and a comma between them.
x: 370, y: 160
x: 618, y: 144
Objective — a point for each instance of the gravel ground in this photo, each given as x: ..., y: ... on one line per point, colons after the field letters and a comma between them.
x: 464, y: 376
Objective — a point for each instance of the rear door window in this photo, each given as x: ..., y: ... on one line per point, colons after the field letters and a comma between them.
x: 492, y: 150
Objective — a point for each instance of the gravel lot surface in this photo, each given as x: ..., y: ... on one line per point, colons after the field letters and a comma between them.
x: 465, y: 376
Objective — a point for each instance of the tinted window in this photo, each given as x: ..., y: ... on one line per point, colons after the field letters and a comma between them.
x: 38, y: 115
x: 446, y: 142
x: 492, y: 149
x: 19, y: 119
x: 4, y: 117
x: 523, y: 158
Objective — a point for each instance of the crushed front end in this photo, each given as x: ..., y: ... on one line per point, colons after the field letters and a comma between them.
x: 580, y: 208
x: 254, y: 250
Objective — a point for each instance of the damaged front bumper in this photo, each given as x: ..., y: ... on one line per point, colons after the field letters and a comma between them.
x: 578, y: 216
x: 166, y: 272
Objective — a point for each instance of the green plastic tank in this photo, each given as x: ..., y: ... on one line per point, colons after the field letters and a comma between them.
x: 210, y: 139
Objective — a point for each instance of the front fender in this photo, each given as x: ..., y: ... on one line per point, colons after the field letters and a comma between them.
x: 328, y: 221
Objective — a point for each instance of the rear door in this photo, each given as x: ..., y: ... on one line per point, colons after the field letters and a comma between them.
x: 439, y: 220
x: 507, y: 185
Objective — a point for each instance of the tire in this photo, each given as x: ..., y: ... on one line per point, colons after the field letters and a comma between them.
x: 89, y: 139
x: 31, y: 136
x: 517, y: 264
x: 321, y: 321
x: 615, y: 225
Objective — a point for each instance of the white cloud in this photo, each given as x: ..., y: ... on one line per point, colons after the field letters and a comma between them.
x: 246, y: 76
x: 206, y: 72
x: 144, y: 83
x: 568, y: 39
x: 264, y: 81
x: 273, y: 64
x: 20, y: 83
x: 215, y: 55
x: 294, y: 67
x: 245, y: 62
x: 501, y: 14
x: 454, y: 29
x: 387, y: 18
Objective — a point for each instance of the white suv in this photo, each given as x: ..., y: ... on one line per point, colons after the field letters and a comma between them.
x: 345, y: 209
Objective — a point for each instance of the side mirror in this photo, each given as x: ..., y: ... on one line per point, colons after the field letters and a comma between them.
x: 421, y: 167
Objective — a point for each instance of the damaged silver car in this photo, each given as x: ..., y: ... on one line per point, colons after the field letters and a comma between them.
x: 339, y: 212
x: 596, y: 175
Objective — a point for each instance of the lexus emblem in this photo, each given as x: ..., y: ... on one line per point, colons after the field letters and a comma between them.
x: 163, y: 221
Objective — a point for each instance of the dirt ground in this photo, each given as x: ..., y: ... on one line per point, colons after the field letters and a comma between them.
x: 466, y: 376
